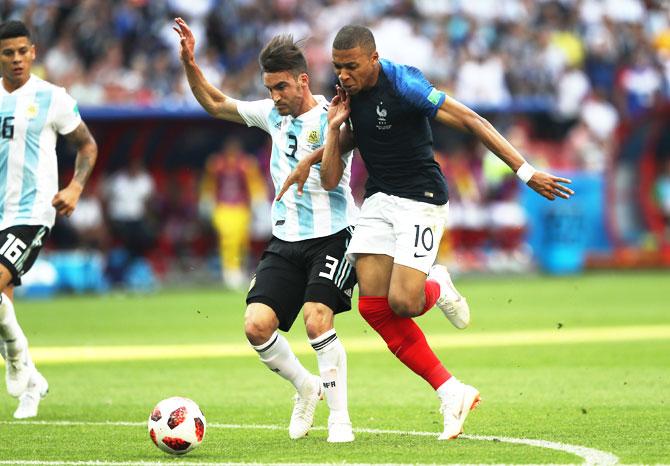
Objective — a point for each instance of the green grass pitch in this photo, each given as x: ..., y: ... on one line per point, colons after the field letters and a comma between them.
x: 582, y: 360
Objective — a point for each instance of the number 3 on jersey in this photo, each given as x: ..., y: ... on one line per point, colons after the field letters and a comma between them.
x: 292, y: 146
x: 13, y: 248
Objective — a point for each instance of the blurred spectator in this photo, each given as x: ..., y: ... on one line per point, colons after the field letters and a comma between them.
x: 639, y: 85
x: 481, y: 80
x: 128, y: 194
x: 573, y: 87
x: 599, y: 115
x: 88, y: 221
x: 232, y: 183
x: 182, y: 232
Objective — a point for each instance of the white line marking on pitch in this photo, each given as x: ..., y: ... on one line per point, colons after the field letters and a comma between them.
x: 591, y: 456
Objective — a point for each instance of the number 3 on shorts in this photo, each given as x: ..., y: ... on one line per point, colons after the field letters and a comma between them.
x: 331, y: 265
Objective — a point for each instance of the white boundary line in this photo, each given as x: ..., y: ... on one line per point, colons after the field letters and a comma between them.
x: 590, y: 456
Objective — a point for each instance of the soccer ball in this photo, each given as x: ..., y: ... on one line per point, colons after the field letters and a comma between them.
x: 176, y: 425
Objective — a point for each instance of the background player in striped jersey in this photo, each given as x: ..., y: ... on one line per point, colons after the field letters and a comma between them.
x: 32, y: 114
x: 404, y: 213
x: 304, y: 264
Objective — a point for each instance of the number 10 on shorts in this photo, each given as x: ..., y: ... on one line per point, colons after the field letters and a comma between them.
x: 423, y: 237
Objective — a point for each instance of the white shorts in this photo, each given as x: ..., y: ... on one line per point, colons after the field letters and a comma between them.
x: 407, y: 230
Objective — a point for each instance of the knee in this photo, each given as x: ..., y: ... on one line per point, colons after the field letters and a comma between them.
x: 404, y: 306
x: 318, y: 319
x: 258, y: 326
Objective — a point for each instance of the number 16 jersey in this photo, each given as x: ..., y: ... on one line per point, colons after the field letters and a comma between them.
x: 31, y: 118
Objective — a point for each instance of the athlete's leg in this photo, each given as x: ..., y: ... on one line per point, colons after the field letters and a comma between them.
x: 407, y: 291
x: 407, y: 342
x: 273, y: 302
x: 332, y: 360
x: 18, y: 365
x: 417, y: 229
x: 403, y: 337
x: 260, y: 325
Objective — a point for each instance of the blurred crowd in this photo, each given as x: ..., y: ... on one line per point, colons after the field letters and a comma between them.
x: 556, y: 76
x: 485, y: 52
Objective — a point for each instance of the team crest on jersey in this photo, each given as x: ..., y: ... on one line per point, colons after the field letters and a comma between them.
x: 382, y: 123
x: 314, y: 139
x: 31, y: 111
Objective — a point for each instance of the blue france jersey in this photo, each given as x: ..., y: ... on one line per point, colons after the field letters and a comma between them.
x: 392, y: 132
x: 317, y: 212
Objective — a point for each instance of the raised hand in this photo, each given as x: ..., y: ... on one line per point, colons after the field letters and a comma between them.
x: 186, y: 40
x: 549, y: 186
x: 339, y: 109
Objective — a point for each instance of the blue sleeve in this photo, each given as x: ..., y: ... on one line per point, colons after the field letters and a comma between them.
x: 413, y: 87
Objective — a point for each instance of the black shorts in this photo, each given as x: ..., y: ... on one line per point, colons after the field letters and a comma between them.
x: 292, y: 273
x: 19, y: 247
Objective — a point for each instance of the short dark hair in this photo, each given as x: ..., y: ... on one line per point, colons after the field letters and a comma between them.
x: 352, y: 36
x: 11, y: 29
x: 283, y: 54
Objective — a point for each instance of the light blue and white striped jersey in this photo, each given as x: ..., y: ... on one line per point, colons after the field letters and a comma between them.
x: 317, y: 212
x: 30, y: 119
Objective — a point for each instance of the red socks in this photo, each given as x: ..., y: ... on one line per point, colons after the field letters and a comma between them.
x: 431, y: 292
x: 404, y: 338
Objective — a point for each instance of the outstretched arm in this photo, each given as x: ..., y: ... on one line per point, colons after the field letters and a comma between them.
x: 213, y: 100
x: 457, y: 115
x: 66, y: 199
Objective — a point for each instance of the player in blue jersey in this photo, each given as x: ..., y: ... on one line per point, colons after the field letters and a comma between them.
x: 32, y: 114
x: 388, y: 107
x: 304, y: 265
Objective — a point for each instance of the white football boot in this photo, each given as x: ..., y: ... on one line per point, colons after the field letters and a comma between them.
x: 302, y: 416
x: 456, y: 405
x: 451, y: 303
x: 340, y: 432
x: 30, y: 399
x: 17, y: 374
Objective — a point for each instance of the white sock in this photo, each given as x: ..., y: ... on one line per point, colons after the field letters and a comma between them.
x: 332, y: 361
x: 278, y: 356
x: 448, y: 386
x: 10, y: 330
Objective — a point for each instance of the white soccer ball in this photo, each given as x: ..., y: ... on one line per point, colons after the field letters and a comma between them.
x: 176, y: 425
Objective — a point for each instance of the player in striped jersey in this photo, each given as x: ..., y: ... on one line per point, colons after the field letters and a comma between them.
x: 304, y: 264
x: 32, y: 114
